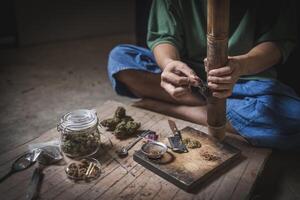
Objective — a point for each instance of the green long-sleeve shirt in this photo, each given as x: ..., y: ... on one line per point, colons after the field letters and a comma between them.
x: 182, y: 23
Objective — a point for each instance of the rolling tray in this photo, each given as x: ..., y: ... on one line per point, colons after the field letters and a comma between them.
x: 189, y: 170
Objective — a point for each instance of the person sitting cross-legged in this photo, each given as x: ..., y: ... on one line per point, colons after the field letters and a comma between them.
x: 259, y: 107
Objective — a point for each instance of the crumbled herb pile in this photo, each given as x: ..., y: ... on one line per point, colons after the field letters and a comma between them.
x: 190, y: 143
x: 122, y: 125
x: 209, y: 156
x: 80, y: 144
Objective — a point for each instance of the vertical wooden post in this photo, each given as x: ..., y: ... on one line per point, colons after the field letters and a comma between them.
x: 217, y: 46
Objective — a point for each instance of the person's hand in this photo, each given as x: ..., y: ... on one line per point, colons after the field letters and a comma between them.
x: 177, y: 78
x: 221, y: 81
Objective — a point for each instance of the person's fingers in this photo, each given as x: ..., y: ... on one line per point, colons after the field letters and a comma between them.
x: 174, y: 79
x: 224, y: 79
x: 224, y: 86
x: 222, y: 94
x: 220, y: 71
x: 183, y: 68
x: 193, y: 79
x: 194, y: 82
x: 174, y: 91
x: 179, y: 91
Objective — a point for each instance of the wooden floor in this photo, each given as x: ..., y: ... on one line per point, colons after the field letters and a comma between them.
x: 40, y: 83
x: 125, y: 179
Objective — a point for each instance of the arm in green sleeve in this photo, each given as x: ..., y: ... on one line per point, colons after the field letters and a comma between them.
x: 165, y: 25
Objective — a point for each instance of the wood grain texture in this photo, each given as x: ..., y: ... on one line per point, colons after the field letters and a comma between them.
x: 189, y: 170
x: 217, y: 53
x: 130, y: 180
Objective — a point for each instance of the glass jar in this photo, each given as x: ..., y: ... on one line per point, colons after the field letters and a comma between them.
x: 80, y: 136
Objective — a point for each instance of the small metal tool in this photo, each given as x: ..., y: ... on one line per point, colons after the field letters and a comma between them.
x: 45, y: 158
x: 123, y: 152
x: 154, y: 149
x: 176, y: 140
x: 203, y: 89
x: 23, y: 162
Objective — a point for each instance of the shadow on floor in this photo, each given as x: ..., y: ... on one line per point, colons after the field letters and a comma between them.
x: 280, y: 178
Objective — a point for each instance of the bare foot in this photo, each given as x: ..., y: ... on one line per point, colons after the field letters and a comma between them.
x: 195, y: 114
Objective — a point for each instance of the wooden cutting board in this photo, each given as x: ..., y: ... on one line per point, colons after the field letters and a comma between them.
x: 189, y: 170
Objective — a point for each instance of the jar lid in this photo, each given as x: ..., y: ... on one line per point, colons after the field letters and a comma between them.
x: 78, y: 120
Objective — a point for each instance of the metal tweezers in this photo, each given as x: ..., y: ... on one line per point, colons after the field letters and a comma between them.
x: 203, y: 89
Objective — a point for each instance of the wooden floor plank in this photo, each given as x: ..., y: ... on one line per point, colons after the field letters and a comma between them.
x: 63, y: 184
x: 232, y: 176
x: 73, y: 190
x: 18, y: 187
x: 17, y: 182
x: 167, y: 190
x: 21, y: 186
x: 181, y: 194
x: 51, y: 179
x: 77, y: 189
x: 64, y: 187
x: 116, y: 189
x: 105, y: 184
x: 132, y: 189
x: 60, y: 181
x: 247, y: 181
x: 125, y: 179
x: 147, y: 123
x: 151, y: 188
x: 225, y: 190
x: 7, y: 158
x: 26, y: 175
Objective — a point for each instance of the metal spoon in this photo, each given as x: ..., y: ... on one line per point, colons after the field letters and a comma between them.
x: 23, y: 162
x: 123, y: 152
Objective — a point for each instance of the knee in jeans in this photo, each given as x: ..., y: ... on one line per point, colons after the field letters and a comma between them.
x: 116, y: 54
x: 119, y: 51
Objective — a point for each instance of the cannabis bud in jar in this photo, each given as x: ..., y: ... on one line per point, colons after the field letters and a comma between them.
x: 79, y: 133
x: 122, y: 125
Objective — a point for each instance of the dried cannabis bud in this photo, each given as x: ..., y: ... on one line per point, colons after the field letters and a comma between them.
x: 122, y: 125
x: 80, y: 144
x: 127, y: 119
x: 192, y: 144
x: 120, y: 112
x: 126, y: 129
x: 119, y: 116
x: 110, y: 123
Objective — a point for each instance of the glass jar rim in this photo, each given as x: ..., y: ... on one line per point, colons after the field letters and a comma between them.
x: 78, y: 120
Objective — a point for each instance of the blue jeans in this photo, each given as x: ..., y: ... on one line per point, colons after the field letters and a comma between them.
x: 265, y: 112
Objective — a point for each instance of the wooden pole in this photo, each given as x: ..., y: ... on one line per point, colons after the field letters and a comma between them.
x: 217, y: 46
